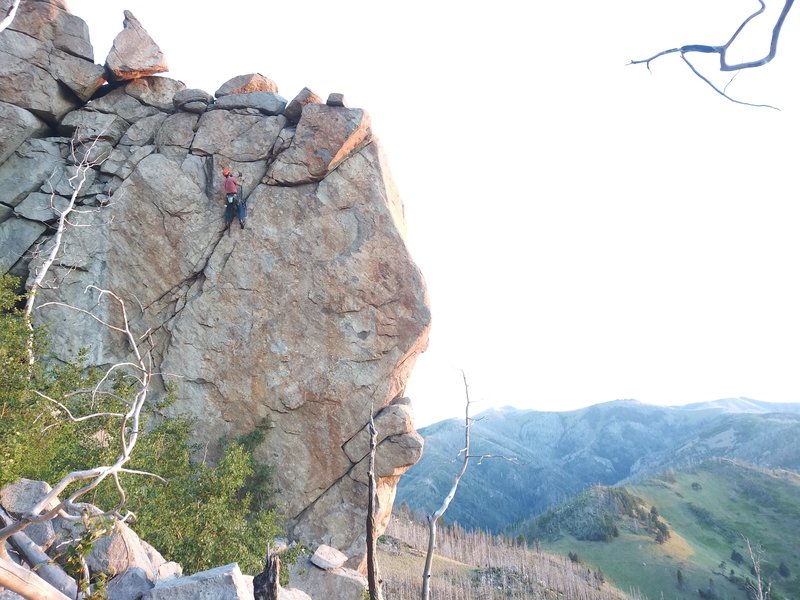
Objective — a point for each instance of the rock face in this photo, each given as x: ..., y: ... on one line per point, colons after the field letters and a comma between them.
x: 46, y: 61
x: 309, y: 319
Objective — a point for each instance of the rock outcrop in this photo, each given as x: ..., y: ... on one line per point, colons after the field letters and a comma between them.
x: 308, y: 319
x: 46, y: 61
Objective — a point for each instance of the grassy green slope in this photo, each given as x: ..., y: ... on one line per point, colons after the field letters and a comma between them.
x: 719, y: 505
x: 708, y: 510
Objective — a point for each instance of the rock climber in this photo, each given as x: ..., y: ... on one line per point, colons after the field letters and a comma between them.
x: 233, y: 200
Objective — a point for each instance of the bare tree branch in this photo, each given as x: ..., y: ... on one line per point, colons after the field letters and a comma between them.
x: 77, y: 181
x: 72, y: 417
x: 722, y: 51
x: 31, y: 585
x: 9, y: 15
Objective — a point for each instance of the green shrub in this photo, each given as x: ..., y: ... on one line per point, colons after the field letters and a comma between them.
x: 203, y: 516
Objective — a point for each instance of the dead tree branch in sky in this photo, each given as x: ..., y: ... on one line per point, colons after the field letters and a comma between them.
x: 722, y: 51
x: 434, y: 518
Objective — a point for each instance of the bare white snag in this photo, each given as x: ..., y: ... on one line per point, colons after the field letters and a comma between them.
x: 76, y: 182
x: 433, y: 519
x: 758, y: 588
x: 27, y: 583
x: 40, y: 562
x: 17, y: 579
x: 373, y: 579
x: 9, y: 15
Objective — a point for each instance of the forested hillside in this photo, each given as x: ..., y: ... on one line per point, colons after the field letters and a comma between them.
x: 547, y: 457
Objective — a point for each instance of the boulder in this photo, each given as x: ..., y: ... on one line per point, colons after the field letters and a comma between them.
x: 295, y: 108
x: 177, y: 130
x: 19, y: 498
x: 120, y: 551
x: 129, y: 585
x: 398, y: 418
x: 16, y: 126
x: 243, y: 138
x: 29, y: 168
x: 45, y: 208
x: 252, y: 82
x: 134, y: 54
x: 325, y: 136
x: 157, y: 92
x: 222, y: 583
x: 165, y: 569
x: 120, y: 103
x: 51, y: 23
x: 340, y: 583
x: 192, y: 100
x: 267, y: 103
x: 143, y: 131
x: 82, y: 79
x: 68, y: 179
x: 27, y: 85
x: 336, y: 99
x: 86, y: 125
x: 16, y: 237
x: 123, y: 159
x: 46, y: 61
x: 92, y: 152
x: 326, y: 558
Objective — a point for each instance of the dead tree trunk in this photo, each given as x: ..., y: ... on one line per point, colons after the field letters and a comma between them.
x: 373, y: 580
x: 266, y: 585
x: 39, y: 561
x: 759, y: 588
x: 434, y: 518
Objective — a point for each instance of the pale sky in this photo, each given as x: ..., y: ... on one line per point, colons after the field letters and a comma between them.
x: 588, y: 231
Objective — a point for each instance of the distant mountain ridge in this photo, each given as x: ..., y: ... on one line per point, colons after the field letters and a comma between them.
x: 745, y: 405
x: 555, y: 455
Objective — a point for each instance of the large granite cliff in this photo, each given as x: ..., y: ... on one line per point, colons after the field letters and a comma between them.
x: 310, y: 317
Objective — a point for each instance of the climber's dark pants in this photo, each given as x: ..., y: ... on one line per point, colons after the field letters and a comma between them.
x: 230, y: 208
